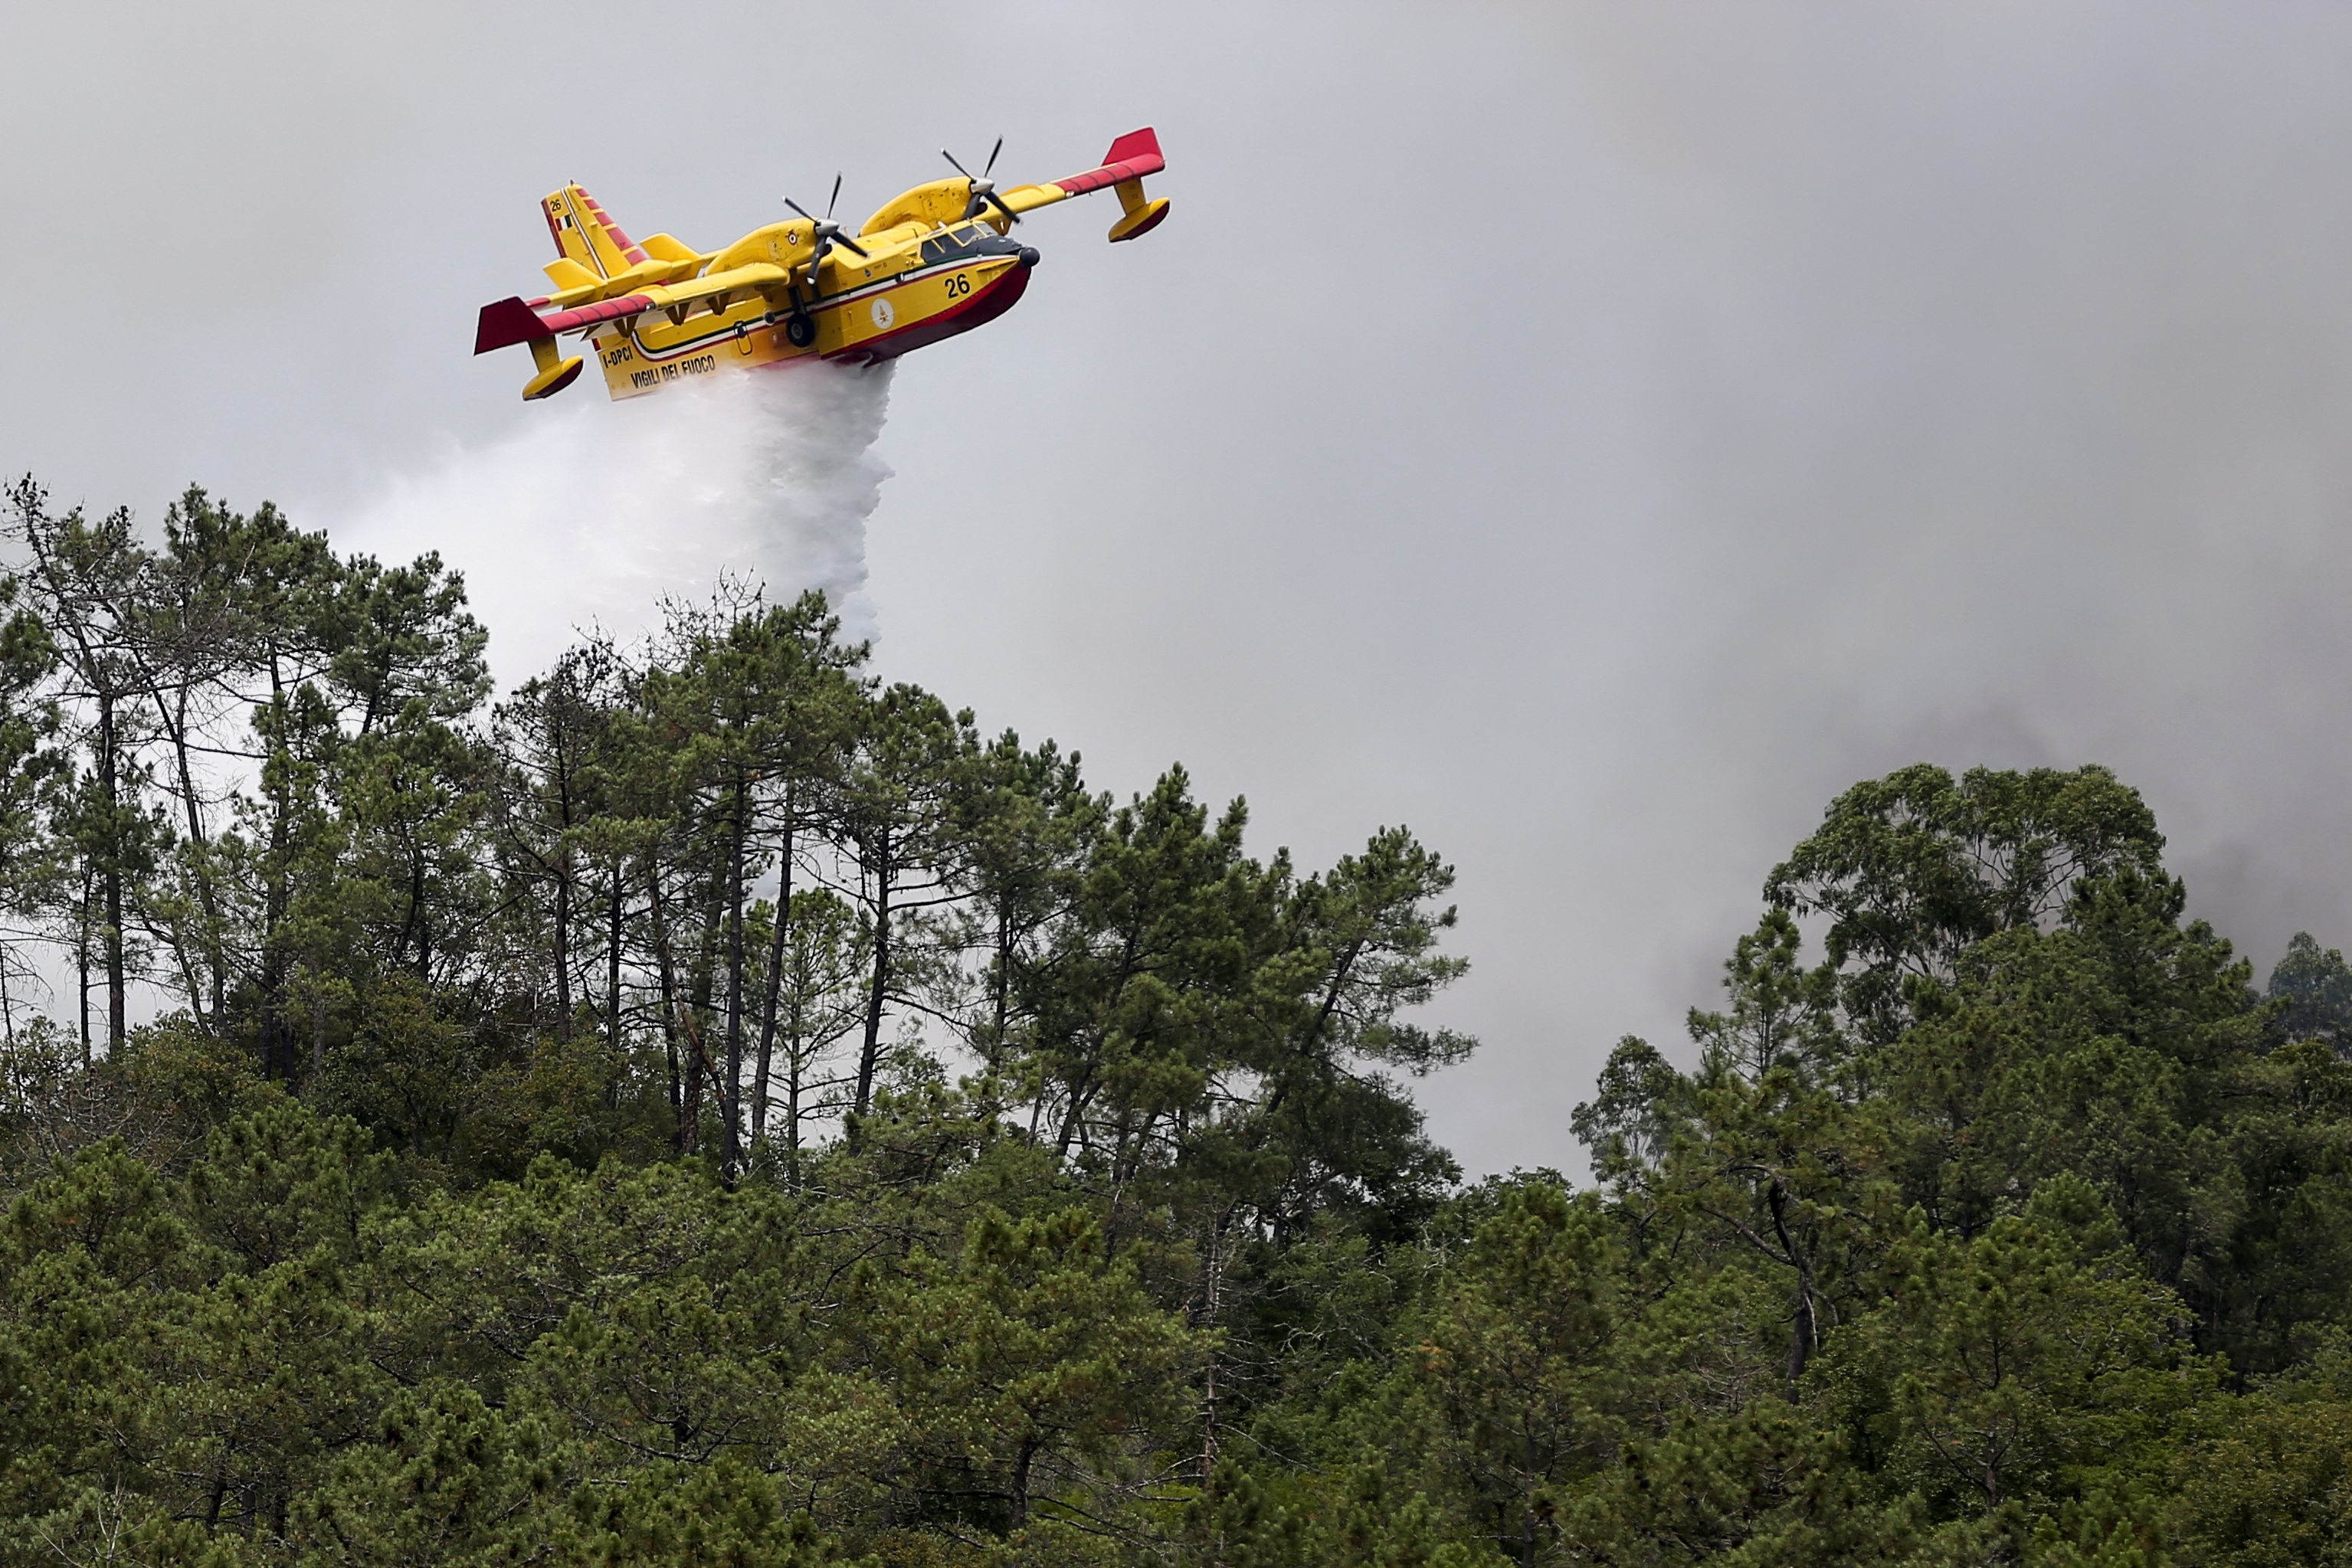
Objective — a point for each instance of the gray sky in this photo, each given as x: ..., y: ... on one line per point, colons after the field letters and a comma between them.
x: 1591, y: 433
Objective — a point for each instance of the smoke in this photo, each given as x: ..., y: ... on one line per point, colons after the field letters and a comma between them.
x: 593, y: 512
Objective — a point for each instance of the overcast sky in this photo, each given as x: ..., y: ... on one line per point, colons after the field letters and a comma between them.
x: 1594, y: 435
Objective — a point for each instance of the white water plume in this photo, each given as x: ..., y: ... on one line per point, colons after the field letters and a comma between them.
x: 594, y: 512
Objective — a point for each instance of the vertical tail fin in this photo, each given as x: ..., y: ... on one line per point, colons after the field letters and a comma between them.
x: 584, y: 235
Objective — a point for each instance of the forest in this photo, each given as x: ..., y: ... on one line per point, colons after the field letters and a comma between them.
x: 706, y: 1105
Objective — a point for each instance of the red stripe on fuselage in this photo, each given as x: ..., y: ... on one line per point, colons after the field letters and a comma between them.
x: 993, y: 300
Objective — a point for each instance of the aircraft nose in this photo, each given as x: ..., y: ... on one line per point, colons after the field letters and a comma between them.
x: 1028, y: 256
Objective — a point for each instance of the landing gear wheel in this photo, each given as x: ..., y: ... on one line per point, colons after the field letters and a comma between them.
x: 799, y: 332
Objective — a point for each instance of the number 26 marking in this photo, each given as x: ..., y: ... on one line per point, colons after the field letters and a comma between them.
x: 959, y: 284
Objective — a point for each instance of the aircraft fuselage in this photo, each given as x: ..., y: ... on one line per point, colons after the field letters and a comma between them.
x: 903, y: 297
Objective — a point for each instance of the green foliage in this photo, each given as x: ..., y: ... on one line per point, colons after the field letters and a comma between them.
x: 2317, y: 989
x: 1915, y: 868
x: 554, y: 1150
x: 1028, y: 1359
x: 2006, y: 1374
x: 31, y: 766
x: 2265, y: 1480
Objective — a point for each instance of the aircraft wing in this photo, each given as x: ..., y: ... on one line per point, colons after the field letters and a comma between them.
x: 1131, y: 157
x: 751, y: 274
x: 518, y: 320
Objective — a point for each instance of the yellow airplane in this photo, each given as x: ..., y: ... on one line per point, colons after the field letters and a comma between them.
x: 933, y: 263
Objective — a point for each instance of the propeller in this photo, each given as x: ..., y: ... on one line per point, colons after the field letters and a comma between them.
x: 828, y: 232
x: 983, y: 189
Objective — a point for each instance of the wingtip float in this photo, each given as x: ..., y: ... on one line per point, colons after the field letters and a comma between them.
x: 936, y: 261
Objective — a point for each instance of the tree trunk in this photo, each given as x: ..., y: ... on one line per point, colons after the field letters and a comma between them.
x: 1804, y: 1330
x: 794, y: 1067
x: 1213, y: 1277
x: 693, y: 1019
x: 415, y: 924
x: 613, y: 964
x: 1527, y: 1509
x: 207, y: 902
x: 563, y: 942
x: 188, y: 980
x: 1020, y: 1481
x: 685, y: 1089
x: 994, y: 1057
x: 277, y: 1051
x: 110, y: 873
x: 82, y: 961
x: 775, y: 979
x: 872, y: 1051
x: 731, y: 1145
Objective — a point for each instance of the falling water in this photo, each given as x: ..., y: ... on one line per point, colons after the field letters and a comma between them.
x: 592, y: 513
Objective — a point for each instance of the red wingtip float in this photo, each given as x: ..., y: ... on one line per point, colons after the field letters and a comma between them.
x: 936, y: 261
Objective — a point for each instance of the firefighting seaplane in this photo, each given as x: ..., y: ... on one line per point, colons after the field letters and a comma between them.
x: 936, y: 261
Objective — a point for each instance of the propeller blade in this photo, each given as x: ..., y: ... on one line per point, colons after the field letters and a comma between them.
x: 826, y: 233
x: 953, y: 164
x: 998, y: 202
x: 990, y: 167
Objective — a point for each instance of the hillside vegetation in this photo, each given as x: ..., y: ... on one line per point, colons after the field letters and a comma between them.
x: 713, y: 1108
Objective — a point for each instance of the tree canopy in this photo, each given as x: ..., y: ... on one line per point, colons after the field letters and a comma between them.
x: 708, y: 1107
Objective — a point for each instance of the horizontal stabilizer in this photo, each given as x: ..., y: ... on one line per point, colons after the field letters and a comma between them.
x: 566, y: 273
x: 1131, y: 157
x: 1138, y: 149
x: 507, y: 323
x: 512, y: 321
x: 594, y: 315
